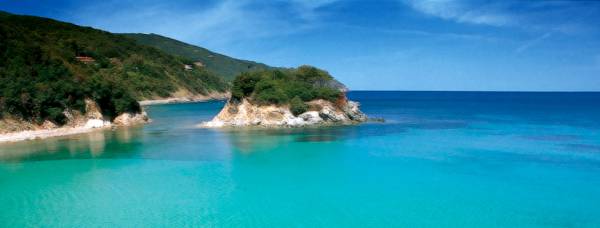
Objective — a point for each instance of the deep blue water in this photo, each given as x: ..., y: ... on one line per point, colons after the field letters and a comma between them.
x: 458, y: 159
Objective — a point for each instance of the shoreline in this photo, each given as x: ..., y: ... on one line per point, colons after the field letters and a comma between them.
x: 186, y: 99
x: 41, y: 134
x: 47, y: 133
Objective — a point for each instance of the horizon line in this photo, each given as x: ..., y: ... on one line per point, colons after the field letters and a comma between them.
x: 480, y: 91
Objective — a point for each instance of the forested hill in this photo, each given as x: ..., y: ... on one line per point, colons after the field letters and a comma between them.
x: 222, y: 65
x: 47, y: 66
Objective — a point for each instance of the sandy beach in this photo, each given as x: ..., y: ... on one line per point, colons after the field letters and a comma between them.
x: 47, y: 133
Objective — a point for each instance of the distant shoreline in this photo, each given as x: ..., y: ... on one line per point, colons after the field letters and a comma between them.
x: 473, y: 91
x: 177, y: 101
x: 186, y: 99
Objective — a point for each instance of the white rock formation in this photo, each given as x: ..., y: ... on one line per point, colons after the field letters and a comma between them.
x: 96, y: 123
x: 321, y: 112
x: 128, y: 119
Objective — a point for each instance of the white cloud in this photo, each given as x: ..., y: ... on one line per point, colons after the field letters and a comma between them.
x: 462, y: 12
x: 425, y: 33
x: 565, y: 17
x: 533, y: 42
x: 213, y: 24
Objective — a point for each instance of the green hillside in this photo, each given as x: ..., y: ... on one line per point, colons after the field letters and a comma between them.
x: 222, y: 65
x: 47, y: 66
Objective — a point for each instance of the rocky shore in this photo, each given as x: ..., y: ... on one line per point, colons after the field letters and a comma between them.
x: 320, y: 112
x: 12, y: 130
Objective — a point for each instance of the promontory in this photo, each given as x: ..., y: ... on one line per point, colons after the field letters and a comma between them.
x: 303, y: 96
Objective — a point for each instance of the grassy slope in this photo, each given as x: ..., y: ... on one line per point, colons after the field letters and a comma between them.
x: 222, y: 65
x: 39, y: 76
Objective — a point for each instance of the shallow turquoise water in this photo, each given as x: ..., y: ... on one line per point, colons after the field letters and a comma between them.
x: 440, y: 160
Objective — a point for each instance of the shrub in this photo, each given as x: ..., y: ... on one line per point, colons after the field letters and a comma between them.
x: 270, y: 92
x: 328, y: 94
x: 243, y: 85
x: 56, y: 115
x: 297, y: 106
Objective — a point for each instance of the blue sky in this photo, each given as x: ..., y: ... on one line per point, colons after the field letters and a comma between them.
x: 375, y: 45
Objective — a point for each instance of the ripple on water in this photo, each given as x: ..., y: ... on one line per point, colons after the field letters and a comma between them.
x: 316, y: 138
x: 552, y: 138
x: 583, y: 147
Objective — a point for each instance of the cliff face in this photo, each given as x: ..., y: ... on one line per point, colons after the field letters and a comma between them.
x: 321, y: 112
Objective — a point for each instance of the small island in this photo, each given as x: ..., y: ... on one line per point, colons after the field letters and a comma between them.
x: 303, y: 96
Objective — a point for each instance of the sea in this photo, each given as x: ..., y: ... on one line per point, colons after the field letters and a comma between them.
x: 440, y: 159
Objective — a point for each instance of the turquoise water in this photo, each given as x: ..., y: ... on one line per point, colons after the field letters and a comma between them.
x: 440, y: 160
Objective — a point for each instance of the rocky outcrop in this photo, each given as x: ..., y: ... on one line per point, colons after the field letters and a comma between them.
x: 18, y: 130
x: 129, y: 119
x: 93, y: 118
x: 321, y: 112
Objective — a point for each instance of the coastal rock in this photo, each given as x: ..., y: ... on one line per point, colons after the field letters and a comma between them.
x: 245, y: 113
x: 96, y: 123
x: 328, y: 113
x: 311, y: 117
x: 13, y: 129
x: 48, y: 125
x: 92, y: 110
x: 353, y: 111
x: 128, y: 119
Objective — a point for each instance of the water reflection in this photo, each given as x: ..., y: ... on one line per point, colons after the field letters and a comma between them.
x: 256, y: 139
x: 249, y: 140
x: 316, y: 138
x: 94, y: 144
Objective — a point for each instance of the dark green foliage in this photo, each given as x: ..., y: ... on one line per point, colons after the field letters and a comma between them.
x: 297, y: 106
x: 326, y: 93
x: 56, y: 115
x: 111, y: 97
x: 40, y: 77
x: 220, y: 64
x: 286, y: 86
x: 270, y: 91
x: 312, y: 74
x: 244, y: 84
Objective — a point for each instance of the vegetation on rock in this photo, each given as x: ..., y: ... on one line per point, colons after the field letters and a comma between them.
x: 289, y: 86
x: 297, y: 106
